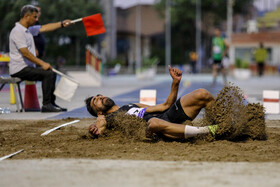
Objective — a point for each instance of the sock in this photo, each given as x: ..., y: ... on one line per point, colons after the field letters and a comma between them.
x: 191, y: 131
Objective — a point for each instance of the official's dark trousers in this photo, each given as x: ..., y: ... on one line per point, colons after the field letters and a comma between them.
x: 47, y: 77
x: 260, y: 68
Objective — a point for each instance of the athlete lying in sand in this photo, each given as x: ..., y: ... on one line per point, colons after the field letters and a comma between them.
x: 165, y: 118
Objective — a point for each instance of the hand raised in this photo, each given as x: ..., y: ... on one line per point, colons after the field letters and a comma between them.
x: 175, y: 73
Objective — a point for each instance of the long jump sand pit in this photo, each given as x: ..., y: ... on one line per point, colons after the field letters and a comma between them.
x: 244, y: 152
x: 73, y: 141
x: 69, y: 157
x: 243, y: 135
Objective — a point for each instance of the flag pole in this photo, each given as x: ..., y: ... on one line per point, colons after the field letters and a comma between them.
x: 76, y: 20
x: 63, y: 75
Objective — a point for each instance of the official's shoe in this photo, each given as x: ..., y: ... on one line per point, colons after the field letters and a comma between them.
x: 50, y: 108
x: 62, y: 109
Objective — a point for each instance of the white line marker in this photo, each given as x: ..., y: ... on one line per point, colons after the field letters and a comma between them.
x: 53, y: 129
x: 10, y: 155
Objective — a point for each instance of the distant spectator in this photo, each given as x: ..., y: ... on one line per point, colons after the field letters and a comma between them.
x: 219, y: 51
x: 193, y: 59
x: 260, y: 58
x: 39, y: 39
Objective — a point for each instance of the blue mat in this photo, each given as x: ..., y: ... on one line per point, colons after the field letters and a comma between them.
x: 162, y: 88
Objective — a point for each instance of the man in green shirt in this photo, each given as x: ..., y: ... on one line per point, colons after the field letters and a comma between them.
x: 260, y: 57
x: 219, y: 50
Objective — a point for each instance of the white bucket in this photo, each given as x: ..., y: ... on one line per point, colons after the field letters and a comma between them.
x: 66, y: 87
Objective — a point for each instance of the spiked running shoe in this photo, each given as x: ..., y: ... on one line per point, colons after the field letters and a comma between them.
x: 213, y: 129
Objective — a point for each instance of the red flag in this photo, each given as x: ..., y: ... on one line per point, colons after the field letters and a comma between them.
x: 94, y: 24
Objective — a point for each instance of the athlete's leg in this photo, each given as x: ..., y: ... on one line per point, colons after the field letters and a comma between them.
x: 214, y: 72
x: 170, y: 130
x: 193, y: 102
x: 176, y: 131
x: 224, y: 73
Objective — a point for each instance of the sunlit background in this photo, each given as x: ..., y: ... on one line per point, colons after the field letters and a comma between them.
x: 142, y: 33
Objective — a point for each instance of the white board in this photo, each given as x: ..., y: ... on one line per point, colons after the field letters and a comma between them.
x: 271, y: 101
x: 148, y: 97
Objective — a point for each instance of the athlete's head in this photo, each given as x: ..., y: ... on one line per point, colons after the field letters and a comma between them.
x: 217, y: 32
x: 99, y: 105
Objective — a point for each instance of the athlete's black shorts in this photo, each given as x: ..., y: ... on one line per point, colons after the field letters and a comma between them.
x: 175, y: 114
x: 219, y: 63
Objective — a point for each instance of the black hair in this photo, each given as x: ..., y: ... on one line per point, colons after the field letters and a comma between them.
x: 89, y: 108
x: 27, y: 9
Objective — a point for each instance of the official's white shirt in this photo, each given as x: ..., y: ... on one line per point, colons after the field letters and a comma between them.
x: 21, y: 37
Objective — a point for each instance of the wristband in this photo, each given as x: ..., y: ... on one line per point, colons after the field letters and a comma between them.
x: 62, y: 24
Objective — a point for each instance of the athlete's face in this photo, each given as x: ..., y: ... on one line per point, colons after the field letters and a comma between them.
x: 101, y: 103
x: 217, y: 33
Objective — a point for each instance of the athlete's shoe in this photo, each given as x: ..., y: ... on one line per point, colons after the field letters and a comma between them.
x: 213, y: 129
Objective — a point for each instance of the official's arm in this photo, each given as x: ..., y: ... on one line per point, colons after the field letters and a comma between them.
x: 25, y: 52
x: 53, y: 26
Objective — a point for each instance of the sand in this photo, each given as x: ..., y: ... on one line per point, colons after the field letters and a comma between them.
x: 243, y: 135
x: 73, y: 142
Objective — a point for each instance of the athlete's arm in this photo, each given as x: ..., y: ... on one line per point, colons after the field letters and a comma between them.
x: 99, y: 127
x: 226, y: 47
x: 176, y: 75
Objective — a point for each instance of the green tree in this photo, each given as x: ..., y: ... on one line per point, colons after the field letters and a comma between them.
x: 9, y: 14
